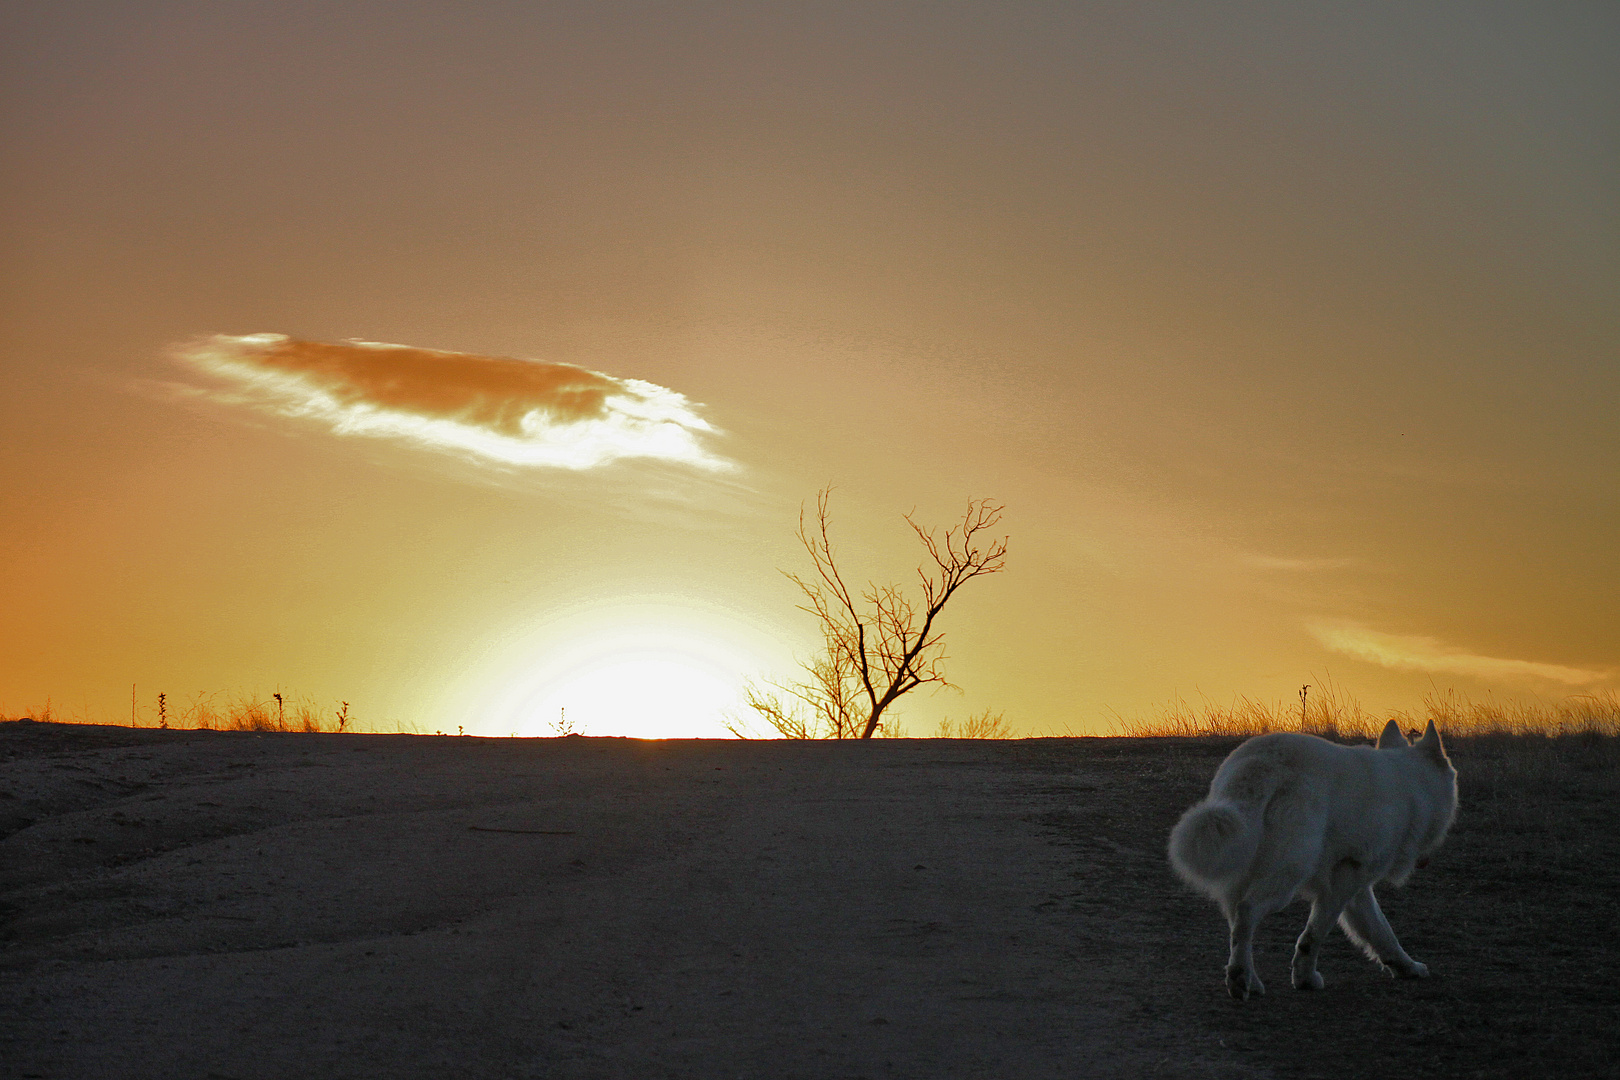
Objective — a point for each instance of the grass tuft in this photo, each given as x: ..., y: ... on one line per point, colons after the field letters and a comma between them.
x: 982, y: 725
x: 247, y: 712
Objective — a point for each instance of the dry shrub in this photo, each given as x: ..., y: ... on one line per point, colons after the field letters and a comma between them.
x: 979, y: 726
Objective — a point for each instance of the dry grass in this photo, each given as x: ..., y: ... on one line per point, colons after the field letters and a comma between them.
x: 1333, y: 714
x: 250, y: 712
x: 46, y: 715
x: 221, y: 712
x: 979, y: 726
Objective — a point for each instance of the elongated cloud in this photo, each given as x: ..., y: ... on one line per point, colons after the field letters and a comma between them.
x: 503, y: 411
x: 1418, y: 653
x: 1287, y: 565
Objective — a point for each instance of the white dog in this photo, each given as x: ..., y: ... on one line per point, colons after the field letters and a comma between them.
x: 1294, y: 814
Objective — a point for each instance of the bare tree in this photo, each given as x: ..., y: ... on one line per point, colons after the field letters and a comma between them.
x: 878, y: 644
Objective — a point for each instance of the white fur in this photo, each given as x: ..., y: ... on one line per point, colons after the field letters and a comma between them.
x: 1294, y: 814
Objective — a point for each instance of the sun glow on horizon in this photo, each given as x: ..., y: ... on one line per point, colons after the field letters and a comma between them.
x: 645, y: 672
x: 642, y: 694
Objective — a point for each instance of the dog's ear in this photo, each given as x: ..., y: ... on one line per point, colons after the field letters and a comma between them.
x: 1431, y: 745
x: 1392, y: 738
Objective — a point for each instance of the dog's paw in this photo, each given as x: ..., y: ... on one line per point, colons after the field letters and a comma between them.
x: 1416, y: 971
x: 1242, y: 982
x: 1313, y: 981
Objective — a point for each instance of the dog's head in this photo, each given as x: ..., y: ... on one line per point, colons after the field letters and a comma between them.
x: 1430, y: 750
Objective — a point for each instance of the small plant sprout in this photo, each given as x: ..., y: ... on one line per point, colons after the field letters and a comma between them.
x: 1303, y: 692
x: 343, y: 715
x: 163, y: 711
x: 280, y: 724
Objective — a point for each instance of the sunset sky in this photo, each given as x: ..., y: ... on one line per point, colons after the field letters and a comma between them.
x: 468, y: 362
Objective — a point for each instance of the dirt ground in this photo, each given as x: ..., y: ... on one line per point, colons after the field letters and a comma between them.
x: 235, y: 905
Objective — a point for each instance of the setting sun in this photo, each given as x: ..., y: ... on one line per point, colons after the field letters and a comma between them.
x: 648, y: 670
x: 644, y: 694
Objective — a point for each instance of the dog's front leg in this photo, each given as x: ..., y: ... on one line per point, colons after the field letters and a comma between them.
x: 1324, y: 911
x: 1363, y: 920
x: 1333, y: 891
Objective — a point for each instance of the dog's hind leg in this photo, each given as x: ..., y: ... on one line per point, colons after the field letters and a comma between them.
x: 1244, y: 916
x: 1363, y: 920
x: 1241, y: 981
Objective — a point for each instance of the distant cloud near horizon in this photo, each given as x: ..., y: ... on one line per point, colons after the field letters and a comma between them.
x: 1420, y: 653
x: 525, y: 413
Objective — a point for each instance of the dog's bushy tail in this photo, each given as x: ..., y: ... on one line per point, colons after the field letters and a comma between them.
x: 1214, y: 842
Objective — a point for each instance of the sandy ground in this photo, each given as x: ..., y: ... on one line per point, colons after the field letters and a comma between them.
x: 232, y: 905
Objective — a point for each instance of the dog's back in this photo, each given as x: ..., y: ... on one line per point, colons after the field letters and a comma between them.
x: 1293, y: 806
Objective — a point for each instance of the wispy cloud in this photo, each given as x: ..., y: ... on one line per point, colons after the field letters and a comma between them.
x: 1288, y: 565
x: 524, y: 413
x: 1419, y: 653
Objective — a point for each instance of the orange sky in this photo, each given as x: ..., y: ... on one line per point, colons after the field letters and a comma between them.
x: 1287, y: 334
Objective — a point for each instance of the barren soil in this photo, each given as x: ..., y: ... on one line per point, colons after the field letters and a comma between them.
x: 233, y: 905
